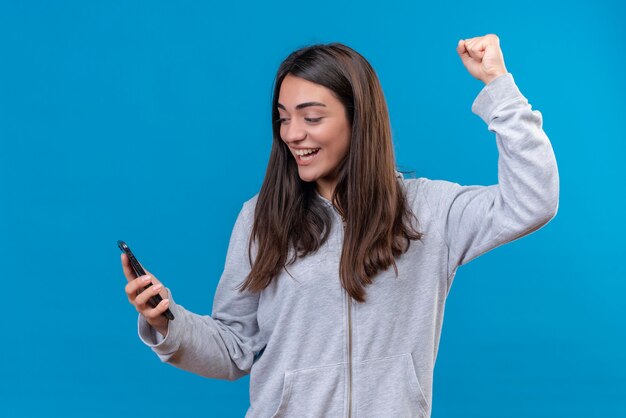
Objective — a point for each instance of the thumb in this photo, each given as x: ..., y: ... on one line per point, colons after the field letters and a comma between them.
x: 462, y: 51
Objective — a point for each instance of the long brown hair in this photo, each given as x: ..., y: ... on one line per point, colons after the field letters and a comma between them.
x: 368, y: 195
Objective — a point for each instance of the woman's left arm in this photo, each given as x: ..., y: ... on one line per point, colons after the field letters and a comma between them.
x: 475, y: 219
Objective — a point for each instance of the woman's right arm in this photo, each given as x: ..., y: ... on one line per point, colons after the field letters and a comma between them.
x: 223, y: 345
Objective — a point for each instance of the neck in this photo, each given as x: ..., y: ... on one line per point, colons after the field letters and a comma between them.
x: 325, y: 189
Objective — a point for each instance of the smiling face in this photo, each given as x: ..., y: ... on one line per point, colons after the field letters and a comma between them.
x: 312, y: 118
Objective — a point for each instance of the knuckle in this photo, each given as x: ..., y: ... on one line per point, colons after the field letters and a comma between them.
x: 134, y: 284
x: 141, y: 299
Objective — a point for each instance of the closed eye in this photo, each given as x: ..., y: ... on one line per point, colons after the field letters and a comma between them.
x: 313, y: 120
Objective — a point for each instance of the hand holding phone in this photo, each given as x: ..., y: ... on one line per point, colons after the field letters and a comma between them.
x: 141, y: 294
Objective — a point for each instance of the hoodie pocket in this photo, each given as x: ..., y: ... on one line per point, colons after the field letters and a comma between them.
x: 388, y: 387
x: 313, y: 392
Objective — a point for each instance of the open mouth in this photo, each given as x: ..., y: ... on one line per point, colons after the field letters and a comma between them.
x: 307, y: 157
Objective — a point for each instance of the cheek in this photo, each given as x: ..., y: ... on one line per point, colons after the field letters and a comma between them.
x: 343, y: 144
x: 333, y: 137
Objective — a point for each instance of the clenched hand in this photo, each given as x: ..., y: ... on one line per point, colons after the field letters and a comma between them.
x: 482, y: 57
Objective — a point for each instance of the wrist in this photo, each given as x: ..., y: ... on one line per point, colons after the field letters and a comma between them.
x: 492, y: 77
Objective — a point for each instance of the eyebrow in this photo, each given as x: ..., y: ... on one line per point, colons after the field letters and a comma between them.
x: 303, y: 105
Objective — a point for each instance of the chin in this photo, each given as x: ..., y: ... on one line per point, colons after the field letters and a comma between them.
x: 307, y: 177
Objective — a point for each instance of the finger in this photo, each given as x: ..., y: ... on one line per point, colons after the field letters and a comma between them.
x: 493, y: 38
x: 139, y: 285
x: 135, y: 285
x: 128, y: 270
x: 461, y: 49
x: 142, y: 299
x: 476, y: 48
x: 154, y: 313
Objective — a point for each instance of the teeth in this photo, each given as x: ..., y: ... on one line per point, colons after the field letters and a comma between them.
x: 305, y: 151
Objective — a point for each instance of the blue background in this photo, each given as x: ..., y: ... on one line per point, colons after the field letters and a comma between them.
x: 150, y: 122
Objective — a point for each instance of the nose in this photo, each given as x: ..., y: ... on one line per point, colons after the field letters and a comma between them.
x: 293, y: 131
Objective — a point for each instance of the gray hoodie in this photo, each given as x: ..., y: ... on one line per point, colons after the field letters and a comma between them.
x: 313, y: 352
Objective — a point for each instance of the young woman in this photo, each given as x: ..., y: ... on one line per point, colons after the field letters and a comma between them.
x: 337, y: 271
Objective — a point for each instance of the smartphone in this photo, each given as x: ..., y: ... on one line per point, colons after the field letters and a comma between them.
x: 139, y: 271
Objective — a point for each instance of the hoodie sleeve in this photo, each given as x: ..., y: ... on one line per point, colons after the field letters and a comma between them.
x: 223, y: 345
x: 475, y: 219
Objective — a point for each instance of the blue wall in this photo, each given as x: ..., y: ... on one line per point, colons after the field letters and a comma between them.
x: 150, y: 122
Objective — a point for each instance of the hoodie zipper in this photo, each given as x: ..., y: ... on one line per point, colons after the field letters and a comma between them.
x: 349, y: 359
x: 349, y: 342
